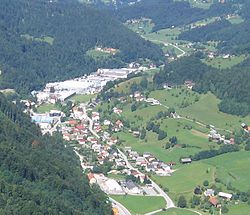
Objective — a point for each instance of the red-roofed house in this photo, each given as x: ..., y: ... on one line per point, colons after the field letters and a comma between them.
x: 91, y: 178
x: 213, y: 201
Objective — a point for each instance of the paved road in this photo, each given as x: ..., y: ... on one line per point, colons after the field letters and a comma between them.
x: 167, y: 44
x: 170, y: 203
x: 91, y: 127
x: 122, y: 210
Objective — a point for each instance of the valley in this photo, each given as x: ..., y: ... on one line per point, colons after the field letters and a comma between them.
x: 138, y: 107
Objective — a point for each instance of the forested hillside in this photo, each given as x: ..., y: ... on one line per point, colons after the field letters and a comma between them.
x: 43, y: 41
x: 167, y: 13
x: 38, y: 175
x: 232, y: 38
x: 230, y: 85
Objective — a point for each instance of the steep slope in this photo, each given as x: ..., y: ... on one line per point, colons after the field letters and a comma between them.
x: 45, y: 40
x: 38, y: 175
x: 167, y: 13
x: 230, y: 85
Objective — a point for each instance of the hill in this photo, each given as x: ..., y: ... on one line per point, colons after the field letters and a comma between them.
x: 166, y: 14
x: 224, y: 83
x: 38, y: 175
x: 45, y: 41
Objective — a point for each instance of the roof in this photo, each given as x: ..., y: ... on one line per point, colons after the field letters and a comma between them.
x: 91, y: 176
x: 72, y: 122
x: 186, y: 160
x: 213, y: 200
x: 225, y: 195
x: 130, y: 185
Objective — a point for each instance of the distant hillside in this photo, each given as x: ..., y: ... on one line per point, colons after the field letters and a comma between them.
x: 230, y: 85
x: 43, y: 41
x: 38, y: 175
x: 168, y: 13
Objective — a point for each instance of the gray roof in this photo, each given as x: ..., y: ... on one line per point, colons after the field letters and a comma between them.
x: 130, y: 185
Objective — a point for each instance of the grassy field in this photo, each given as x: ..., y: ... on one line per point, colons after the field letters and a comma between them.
x: 186, y: 178
x: 176, y: 211
x: 221, y: 63
x: 232, y: 168
x: 175, y: 98
x: 199, y: 3
x: 204, y: 110
x: 82, y: 98
x: 242, y: 209
x: 195, y: 139
x: 125, y: 86
x: 43, y: 108
x: 236, y: 20
x: 46, y: 39
x: 141, y: 204
x: 97, y: 55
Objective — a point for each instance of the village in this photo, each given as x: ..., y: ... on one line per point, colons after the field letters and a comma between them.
x: 115, y: 168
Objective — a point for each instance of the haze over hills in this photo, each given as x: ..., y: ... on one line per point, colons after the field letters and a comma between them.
x: 45, y: 40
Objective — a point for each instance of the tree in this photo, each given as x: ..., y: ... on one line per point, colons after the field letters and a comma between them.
x: 197, y: 191
x: 173, y: 140
x: 162, y: 134
x: 150, y: 126
x: 206, y: 183
x: 133, y: 107
x: 182, y: 202
x: 144, y: 83
x: 143, y: 134
x: 224, y: 209
x: 247, y: 147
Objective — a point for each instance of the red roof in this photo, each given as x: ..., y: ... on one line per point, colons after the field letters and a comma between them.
x: 213, y: 200
x: 72, y: 122
x: 80, y: 127
x: 91, y: 176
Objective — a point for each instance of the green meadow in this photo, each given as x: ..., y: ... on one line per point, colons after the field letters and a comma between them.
x: 225, y: 63
x: 43, y: 108
x: 186, y: 178
x: 97, y: 55
x: 232, y: 168
x: 205, y: 110
x: 176, y: 211
x: 82, y: 98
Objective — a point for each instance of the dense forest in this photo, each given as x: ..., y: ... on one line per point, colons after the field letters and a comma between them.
x: 233, y: 39
x: 168, y: 13
x: 230, y: 85
x: 38, y: 175
x: 45, y: 41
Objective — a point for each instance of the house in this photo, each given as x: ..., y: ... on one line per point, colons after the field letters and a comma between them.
x: 119, y: 124
x: 213, y: 201
x: 132, y: 187
x: 117, y: 110
x: 227, y: 196
x: 136, y: 133
x: 147, y: 154
x: 91, y: 177
x: 95, y: 116
x: 106, y: 122
x: 209, y: 192
x: 189, y: 84
x: 186, y: 160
